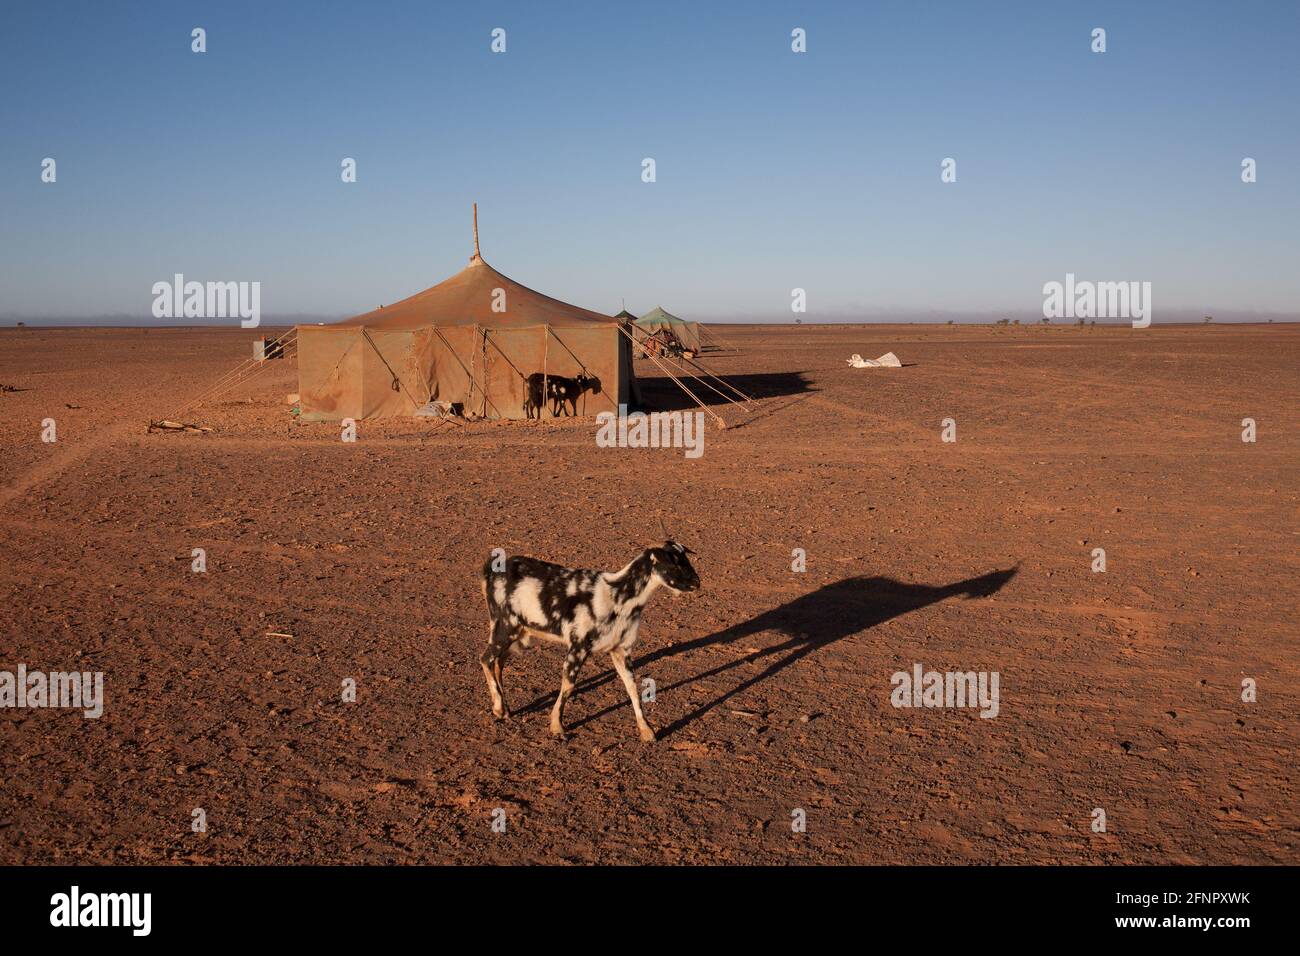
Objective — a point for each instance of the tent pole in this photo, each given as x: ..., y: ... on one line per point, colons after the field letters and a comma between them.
x: 472, y: 382
x: 461, y: 363
x: 365, y: 332
x: 680, y: 383
x: 683, y: 361
x: 486, y: 372
x: 240, y: 373
x: 703, y: 381
x: 582, y: 365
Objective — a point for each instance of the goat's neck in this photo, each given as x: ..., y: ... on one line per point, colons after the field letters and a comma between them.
x: 636, y: 580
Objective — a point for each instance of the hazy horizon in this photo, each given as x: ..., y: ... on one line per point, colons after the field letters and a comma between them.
x: 1028, y: 319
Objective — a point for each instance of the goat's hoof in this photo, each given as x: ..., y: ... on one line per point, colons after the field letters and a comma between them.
x: 648, y: 734
x: 558, y: 732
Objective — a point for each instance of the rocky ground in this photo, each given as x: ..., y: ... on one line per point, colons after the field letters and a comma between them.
x: 329, y: 561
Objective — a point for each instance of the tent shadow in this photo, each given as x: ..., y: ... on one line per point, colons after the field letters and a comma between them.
x: 810, y: 622
x: 661, y: 394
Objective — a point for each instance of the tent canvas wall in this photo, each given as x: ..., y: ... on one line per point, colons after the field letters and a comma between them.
x: 471, y: 339
x: 688, y: 333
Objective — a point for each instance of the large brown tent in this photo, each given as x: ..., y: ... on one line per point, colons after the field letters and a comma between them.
x: 470, y: 340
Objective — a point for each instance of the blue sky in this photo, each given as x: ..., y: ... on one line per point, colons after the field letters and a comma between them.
x: 774, y: 170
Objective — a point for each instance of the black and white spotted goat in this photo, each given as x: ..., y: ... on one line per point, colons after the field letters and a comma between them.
x: 586, y: 611
x: 560, y: 392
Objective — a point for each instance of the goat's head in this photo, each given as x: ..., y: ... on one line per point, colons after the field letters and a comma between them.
x: 588, y: 383
x: 672, y: 567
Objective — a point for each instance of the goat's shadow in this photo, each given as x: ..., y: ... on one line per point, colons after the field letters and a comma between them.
x: 811, y: 621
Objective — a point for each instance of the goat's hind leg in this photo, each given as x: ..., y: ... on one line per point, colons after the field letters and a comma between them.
x: 500, y: 637
x: 569, y: 677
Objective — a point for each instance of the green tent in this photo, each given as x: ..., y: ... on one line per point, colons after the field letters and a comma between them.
x: 688, y: 333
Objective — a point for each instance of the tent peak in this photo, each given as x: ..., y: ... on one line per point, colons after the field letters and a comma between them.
x: 476, y: 256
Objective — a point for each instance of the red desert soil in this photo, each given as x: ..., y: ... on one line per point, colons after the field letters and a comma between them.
x: 1120, y: 690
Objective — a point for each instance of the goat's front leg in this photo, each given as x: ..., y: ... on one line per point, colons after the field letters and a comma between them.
x: 569, y: 677
x: 494, y: 661
x: 619, y: 657
x: 492, y: 670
